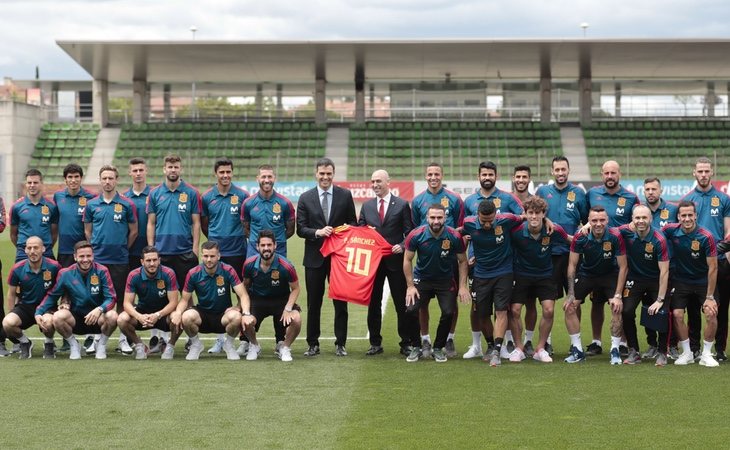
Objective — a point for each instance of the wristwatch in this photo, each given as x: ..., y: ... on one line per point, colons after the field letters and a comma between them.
x: 246, y: 314
x: 660, y: 300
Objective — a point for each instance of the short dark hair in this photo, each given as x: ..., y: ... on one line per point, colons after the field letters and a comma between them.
x: 559, y: 158
x: 268, y: 167
x: 222, y: 162
x: 210, y: 245
x: 486, y: 207
x: 598, y: 209
x: 137, y: 160
x: 435, y: 164
x: 438, y: 206
x: 652, y: 179
x: 33, y: 173
x: 149, y: 249
x: 522, y: 168
x: 110, y: 168
x: 324, y: 162
x: 266, y: 233
x: 172, y: 158
x: 487, y: 165
x: 686, y: 204
x: 81, y: 244
x: 71, y: 169
x: 703, y: 160
x: 535, y: 203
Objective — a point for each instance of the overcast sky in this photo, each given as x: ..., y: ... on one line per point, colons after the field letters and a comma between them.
x: 31, y: 27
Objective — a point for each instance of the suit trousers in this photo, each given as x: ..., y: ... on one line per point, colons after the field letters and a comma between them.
x: 407, y: 323
x: 315, y: 278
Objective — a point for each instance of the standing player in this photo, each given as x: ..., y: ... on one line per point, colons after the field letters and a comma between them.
x: 319, y: 211
x: 694, y: 277
x: 648, y: 278
x: 439, y: 247
x: 71, y: 203
x: 454, y: 210
x: 155, y: 286
x: 618, y: 203
x: 88, y: 306
x: 504, y: 202
x: 533, y: 274
x: 212, y: 282
x: 521, y: 178
x: 110, y: 223
x: 273, y: 287
x: 267, y: 210
x: 33, y: 215
x: 713, y: 214
x: 220, y: 221
x: 391, y: 217
x: 29, y: 281
x: 602, y: 273
x: 567, y: 207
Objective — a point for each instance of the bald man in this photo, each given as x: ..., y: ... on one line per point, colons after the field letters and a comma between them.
x: 391, y: 217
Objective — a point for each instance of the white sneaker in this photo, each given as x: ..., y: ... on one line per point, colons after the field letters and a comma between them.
x: 542, y: 356
x: 475, y: 351
x: 504, y: 353
x: 277, y: 348
x: 242, y: 348
x: 140, y: 352
x: 169, y: 352
x: 708, y: 360
x: 196, y: 348
x: 684, y: 359
x: 231, y: 353
x: 285, y: 354
x: 91, y: 349
x: 75, y: 349
x: 124, y: 348
x: 217, y: 347
x: 253, y: 352
x: 101, y: 351
x: 517, y: 355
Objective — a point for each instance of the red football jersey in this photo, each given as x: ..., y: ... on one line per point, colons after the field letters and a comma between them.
x: 356, y: 253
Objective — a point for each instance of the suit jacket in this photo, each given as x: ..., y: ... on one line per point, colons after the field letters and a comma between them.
x: 396, y: 225
x: 310, y: 218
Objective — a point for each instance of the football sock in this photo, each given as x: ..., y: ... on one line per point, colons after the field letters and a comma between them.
x: 575, y: 341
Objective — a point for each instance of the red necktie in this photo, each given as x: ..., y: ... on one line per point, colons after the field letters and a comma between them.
x: 381, y: 210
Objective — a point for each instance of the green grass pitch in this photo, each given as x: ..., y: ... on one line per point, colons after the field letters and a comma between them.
x: 357, y: 401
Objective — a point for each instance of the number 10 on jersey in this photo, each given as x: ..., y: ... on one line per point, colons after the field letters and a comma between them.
x: 358, y: 260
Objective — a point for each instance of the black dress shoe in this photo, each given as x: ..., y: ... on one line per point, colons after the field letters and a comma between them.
x: 405, y: 351
x: 721, y: 356
x: 340, y: 350
x: 313, y: 350
x: 374, y: 350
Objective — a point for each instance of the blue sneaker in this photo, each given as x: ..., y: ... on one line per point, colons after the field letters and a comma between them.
x: 575, y: 356
x: 615, y: 357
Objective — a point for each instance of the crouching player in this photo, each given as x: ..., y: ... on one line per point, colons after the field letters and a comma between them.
x: 28, y: 282
x: 89, y: 302
x: 273, y: 286
x: 156, y: 288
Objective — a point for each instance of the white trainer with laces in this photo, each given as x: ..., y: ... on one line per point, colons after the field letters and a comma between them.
x: 217, y: 347
x: 504, y: 353
x: 231, y: 353
x: 101, y: 351
x: 253, y: 352
x: 517, y: 355
x: 169, y: 352
x: 242, y: 348
x: 140, y: 352
x: 124, y: 347
x: 75, y: 349
x: 684, y: 359
x: 196, y: 348
x: 542, y: 356
x: 285, y: 354
x: 474, y: 351
x: 708, y: 360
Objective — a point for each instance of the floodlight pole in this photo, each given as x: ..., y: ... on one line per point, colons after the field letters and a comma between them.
x: 584, y: 26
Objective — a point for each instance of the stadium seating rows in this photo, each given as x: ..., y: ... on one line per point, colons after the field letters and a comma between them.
x: 60, y: 143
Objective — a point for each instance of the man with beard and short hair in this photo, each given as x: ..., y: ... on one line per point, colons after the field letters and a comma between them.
x: 71, y: 203
x: 694, y: 277
x: 268, y: 210
x: 567, y: 207
x: 504, y: 202
x: 713, y: 214
x: 28, y: 283
x: 110, y: 224
x: 436, y: 193
x: 273, y: 286
x: 88, y: 306
x: 521, y: 178
x: 618, y: 202
x: 439, y: 247
x: 33, y: 215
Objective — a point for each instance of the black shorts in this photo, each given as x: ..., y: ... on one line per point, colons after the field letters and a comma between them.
x: 444, y: 290
x: 529, y: 288
x: 688, y: 296
x: 26, y: 314
x: 234, y: 261
x: 602, y: 288
x: 66, y: 260
x: 80, y: 326
x: 493, y: 292
x: 161, y: 323
x: 262, y: 308
x: 181, y: 265
x: 560, y: 273
x: 210, y: 322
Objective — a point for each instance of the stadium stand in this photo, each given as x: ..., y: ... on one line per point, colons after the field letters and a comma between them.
x: 61, y: 143
x: 663, y: 148
x: 289, y: 146
x: 404, y: 148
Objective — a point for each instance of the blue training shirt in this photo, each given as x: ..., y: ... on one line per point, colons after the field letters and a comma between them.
x: 665, y: 214
x: 534, y: 257
x: 272, y: 213
x: 151, y: 291
x: 643, y: 255
x: 567, y: 207
x: 450, y: 200
x: 30, y: 286
x: 33, y: 219
x: 140, y: 202
x: 436, y: 255
x: 70, y: 218
x: 174, y: 217
x: 492, y: 247
x: 272, y: 284
x: 213, y: 291
x: 690, y: 252
x: 712, y: 208
x: 84, y: 291
x: 599, y: 254
x: 110, y: 228
x: 618, y: 206
x: 224, y: 219
x: 505, y: 202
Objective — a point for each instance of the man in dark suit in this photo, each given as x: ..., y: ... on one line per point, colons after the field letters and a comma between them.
x: 391, y: 217
x: 319, y: 211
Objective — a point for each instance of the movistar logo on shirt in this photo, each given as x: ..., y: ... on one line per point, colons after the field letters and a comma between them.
x: 234, y: 210
x: 94, y: 290
x: 221, y: 291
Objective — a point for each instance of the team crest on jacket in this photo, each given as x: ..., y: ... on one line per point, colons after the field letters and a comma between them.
x: 446, y: 244
x: 82, y: 201
x: 498, y: 230
x: 274, y: 274
x: 47, y: 275
x: 571, y: 196
x: 606, y: 246
x: 160, y: 284
x: 117, y: 208
x: 497, y: 202
x: 621, y: 202
x: 649, y: 247
x: 219, y: 280
x: 715, y: 202
x: 445, y: 202
x: 546, y: 240
x: 695, y: 245
x: 45, y: 210
x: 94, y: 279
x: 664, y: 215
x: 183, y: 197
x: 234, y: 200
x: 276, y: 208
